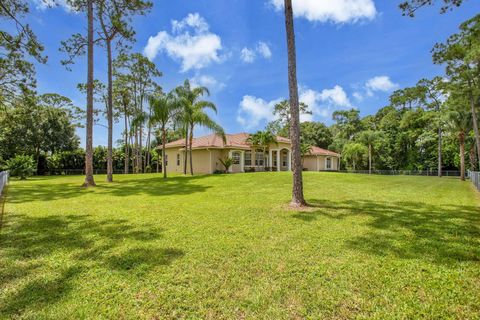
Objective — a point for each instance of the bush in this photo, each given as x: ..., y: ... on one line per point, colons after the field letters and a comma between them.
x: 21, y: 166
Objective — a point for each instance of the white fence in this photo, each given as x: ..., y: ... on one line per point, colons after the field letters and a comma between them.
x: 3, y: 181
x: 475, y: 177
x: 445, y: 173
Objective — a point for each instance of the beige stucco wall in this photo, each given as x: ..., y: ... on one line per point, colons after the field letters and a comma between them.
x: 207, y: 161
x: 310, y: 163
x: 317, y: 163
x: 204, y: 161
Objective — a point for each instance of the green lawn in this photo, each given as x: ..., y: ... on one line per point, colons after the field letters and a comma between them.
x: 225, y: 247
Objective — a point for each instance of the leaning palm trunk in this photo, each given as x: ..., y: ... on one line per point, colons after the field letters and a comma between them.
x: 185, y: 154
x: 461, y: 140
x: 191, y: 152
x: 297, y: 192
x: 89, y: 181
x: 164, y: 160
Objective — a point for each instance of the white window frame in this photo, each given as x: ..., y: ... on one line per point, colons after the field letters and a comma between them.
x: 259, y: 158
x: 248, y: 157
x: 236, y: 157
x: 328, y: 163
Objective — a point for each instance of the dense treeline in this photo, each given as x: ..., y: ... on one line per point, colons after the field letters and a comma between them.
x: 40, y: 129
x: 430, y: 126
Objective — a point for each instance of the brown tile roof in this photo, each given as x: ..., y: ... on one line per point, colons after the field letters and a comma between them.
x: 238, y: 140
x: 316, y: 151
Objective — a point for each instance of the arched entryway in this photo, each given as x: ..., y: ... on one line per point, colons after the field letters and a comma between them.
x: 280, y: 159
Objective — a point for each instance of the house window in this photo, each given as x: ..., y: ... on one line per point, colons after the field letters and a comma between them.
x: 248, y: 158
x: 328, y: 163
x: 178, y: 159
x: 274, y: 156
x: 236, y: 157
x: 166, y: 160
x: 285, y: 159
x: 259, y: 157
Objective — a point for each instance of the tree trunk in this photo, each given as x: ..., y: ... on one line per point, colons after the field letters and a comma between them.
x: 140, y: 149
x: 461, y: 140
x: 147, y: 153
x: 298, y: 199
x: 37, y: 159
x: 439, y: 152
x: 127, y: 160
x: 475, y: 126
x: 185, y: 154
x: 135, y: 169
x: 110, y: 114
x: 191, y: 151
x: 89, y: 181
x: 369, y: 159
x: 164, y: 160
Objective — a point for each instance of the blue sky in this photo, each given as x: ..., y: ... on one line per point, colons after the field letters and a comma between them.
x: 350, y: 53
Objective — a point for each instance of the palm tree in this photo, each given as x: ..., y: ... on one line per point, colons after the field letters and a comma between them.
x: 262, y: 139
x: 298, y: 199
x: 199, y: 117
x: 164, y: 110
x: 368, y: 138
x: 460, y: 124
x: 192, y: 114
x: 354, y: 152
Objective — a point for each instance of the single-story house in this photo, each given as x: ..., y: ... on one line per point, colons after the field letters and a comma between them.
x: 208, y: 150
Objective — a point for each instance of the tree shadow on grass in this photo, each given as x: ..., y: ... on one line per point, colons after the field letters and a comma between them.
x: 43, y: 257
x: 27, y: 191
x: 441, y: 234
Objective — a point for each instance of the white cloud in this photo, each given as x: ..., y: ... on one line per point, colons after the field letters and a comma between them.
x: 379, y: 83
x: 207, y: 81
x: 337, y: 11
x: 264, y: 50
x: 254, y: 111
x: 191, y: 43
x: 336, y: 96
x: 249, y: 55
x: 358, y: 96
x: 322, y: 104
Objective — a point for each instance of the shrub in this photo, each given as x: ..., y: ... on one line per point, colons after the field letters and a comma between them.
x: 227, y: 163
x: 21, y: 166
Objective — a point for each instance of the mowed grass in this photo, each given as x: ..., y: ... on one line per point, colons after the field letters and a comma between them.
x: 226, y: 247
